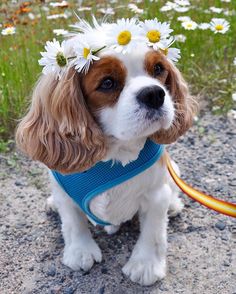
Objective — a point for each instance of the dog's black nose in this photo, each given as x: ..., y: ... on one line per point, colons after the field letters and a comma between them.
x: 152, y: 97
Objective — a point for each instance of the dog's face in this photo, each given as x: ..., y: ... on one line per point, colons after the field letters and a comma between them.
x: 126, y: 97
x: 129, y: 94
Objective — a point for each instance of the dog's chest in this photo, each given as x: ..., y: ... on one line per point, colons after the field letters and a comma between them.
x: 120, y: 203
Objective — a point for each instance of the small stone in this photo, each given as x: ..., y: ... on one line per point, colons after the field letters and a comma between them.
x: 51, y: 271
x: 220, y: 225
x: 232, y: 183
x: 31, y: 268
x: 19, y: 184
x: 224, y: 238
x: 104, y: 270
x: 163, y: 288
x: 191, y: 229
x: 69, y: 290
x: 226, y: 263
x: 102, y: 290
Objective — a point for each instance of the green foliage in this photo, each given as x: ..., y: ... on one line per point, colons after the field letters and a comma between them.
x: 207, y: 58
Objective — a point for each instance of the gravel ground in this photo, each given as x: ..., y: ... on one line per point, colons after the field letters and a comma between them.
x: 202, y: 244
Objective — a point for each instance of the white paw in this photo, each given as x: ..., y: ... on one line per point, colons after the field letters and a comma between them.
x: 175, y: 207
x: 50, y: 205
x: 82, y: 256
x: 111, y: 229
x: 144, y: 271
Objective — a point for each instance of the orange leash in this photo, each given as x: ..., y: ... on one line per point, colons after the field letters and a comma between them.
x: 220, y: 206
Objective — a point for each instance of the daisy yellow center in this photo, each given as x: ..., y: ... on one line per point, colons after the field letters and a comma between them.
x: 86, y: 52
x: 153, y: 36
x: 124, y: 38
x: 61, y: 59
x: 189, y: 25
x: 219, y: 27
x: 165, y: 51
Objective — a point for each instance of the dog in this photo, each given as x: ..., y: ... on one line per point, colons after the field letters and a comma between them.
x: 108, y: 114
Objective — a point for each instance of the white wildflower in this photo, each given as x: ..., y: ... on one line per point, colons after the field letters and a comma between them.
x: 180, y: 38
x: 55, y: 59
x: 9, y: 31
x: 216, y: 9
x: 219, y: 25
x: 189, y: 25
x: 85, y: 54
x: 124, y: 35
x: 60, y: 32
x: 135, y: 8
x: 204, y: 26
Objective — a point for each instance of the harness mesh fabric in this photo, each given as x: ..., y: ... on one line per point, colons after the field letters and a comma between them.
x: 83, y: 187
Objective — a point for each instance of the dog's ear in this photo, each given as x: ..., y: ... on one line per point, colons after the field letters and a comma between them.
x: 59, y: 130
x: 184, y: 105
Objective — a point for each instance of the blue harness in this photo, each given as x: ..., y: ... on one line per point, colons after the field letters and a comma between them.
x: 83, y: 187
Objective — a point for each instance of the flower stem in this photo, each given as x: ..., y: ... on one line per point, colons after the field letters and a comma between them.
x: 95, y: 52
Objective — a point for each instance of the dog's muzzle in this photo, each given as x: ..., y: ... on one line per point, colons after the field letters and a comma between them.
x: 151, y: 97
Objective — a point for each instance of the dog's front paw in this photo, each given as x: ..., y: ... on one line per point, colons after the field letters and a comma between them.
x: 82, y: 256
x: 175, y: 207
x: 50, y: 204
x: 111, y: 229
x: 144, y: 271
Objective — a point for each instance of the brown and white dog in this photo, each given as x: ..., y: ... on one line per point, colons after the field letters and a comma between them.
x: 108, y: 114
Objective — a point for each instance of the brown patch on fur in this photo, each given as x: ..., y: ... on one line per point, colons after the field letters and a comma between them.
x: 184, y: 104
x: 106, y: 67
x: 59, y: 130
x: 162, y: 160
x: 151, y: 59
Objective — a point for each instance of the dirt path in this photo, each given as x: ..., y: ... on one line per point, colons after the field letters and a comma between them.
x: 202, y: 244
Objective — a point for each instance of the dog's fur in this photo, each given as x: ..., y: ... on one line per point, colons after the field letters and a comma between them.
x: 72, y: 124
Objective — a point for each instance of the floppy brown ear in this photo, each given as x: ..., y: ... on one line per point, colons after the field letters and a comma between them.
x: 59, y: 130
x: 184, y: 104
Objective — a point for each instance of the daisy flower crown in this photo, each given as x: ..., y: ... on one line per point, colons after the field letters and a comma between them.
x: 81, y: 48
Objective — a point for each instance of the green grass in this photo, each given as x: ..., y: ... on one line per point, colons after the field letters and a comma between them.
x: 207, y: 58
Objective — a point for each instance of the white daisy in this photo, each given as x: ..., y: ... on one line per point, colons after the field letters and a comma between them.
x: 219, y: 25
x: 95, y: 33
x: 180, y: 38
x: 155, y: 32
x: 234, y: 60
x: 216, y: 9
x: 60, y: 32
x: 85, y: 54
x: 62, y: 4
x: 234, y: 97
x: 165, y: 8
x: 85, y: 8
x: 56, y: 16
x: 135, y: 8
x: 181, y: 9
x: 107, y: 11
x: 232, y: 114
x: 124, y: 35
x: 189, y: 25
x: 55, y: 59
x: 9, y: 31
x: 168, y: 6
x: 204, y: 26
x: 182, y: 2
x: 184, y: 18
x: 172, y: 54
x: 31, y: 16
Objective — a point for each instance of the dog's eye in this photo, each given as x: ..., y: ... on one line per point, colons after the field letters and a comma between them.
x: 158, y: 69
x: 107, y: 84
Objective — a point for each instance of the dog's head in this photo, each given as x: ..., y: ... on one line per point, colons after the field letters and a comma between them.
x: 126, y: 97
